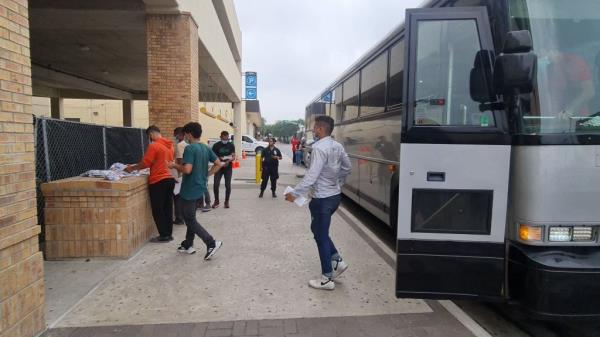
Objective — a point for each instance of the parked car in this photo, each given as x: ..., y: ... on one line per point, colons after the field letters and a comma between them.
x: 249, y: 144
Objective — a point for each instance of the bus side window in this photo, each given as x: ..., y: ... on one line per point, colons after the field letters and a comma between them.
x: 396, y: 81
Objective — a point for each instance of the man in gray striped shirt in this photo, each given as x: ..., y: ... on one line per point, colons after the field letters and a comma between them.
x: 329, y: 167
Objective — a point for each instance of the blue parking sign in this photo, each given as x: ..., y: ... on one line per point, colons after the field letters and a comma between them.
x: 251, y: 93
x: 251, y: 80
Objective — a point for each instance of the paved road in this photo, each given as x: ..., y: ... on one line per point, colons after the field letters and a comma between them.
x: 286, y: 149
x: 255, y: 286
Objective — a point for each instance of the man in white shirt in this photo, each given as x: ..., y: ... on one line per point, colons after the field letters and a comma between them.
x: 329, y: 167
x: 180, y: 145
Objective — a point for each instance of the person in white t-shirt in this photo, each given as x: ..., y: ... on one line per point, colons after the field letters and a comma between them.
x: 180, y: 145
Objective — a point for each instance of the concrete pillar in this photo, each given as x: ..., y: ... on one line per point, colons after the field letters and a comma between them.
x: 127, y: 112
x: 237, y: 124
x: 57, y: 109
x: 172, y: 41
x: 21, y: 262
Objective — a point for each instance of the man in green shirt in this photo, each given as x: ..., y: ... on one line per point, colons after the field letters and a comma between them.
x: 194, y: 167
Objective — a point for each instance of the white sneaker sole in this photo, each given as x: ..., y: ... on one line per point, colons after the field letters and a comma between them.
x: 188, y: 251
x: 317, y: 285
x: 218, y: 245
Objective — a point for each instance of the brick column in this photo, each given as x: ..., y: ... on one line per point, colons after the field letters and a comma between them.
x: 172, y: 70
x: 21, y: 263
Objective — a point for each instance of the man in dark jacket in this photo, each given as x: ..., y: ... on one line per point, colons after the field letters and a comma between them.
x: 270, y: 167
x: 225, y: 151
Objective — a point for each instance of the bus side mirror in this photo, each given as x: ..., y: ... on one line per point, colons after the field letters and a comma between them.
x: 481, y: 85
x: 515, y: 69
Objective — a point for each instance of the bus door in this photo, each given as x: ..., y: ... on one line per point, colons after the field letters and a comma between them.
x: 454, y: 163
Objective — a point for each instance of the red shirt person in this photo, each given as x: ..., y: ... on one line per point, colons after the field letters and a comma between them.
x: 570, y: 85
x: 295, y: 143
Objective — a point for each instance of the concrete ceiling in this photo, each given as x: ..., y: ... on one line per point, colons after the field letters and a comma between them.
x: 98, y: 48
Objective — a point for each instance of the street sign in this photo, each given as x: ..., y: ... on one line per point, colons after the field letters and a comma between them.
x: 251, y: 85
x: 251, y: 93
x: 251, y: 80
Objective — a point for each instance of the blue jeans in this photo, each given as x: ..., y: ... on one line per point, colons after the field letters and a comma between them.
x: 298, y: 158
x: 321, y: 211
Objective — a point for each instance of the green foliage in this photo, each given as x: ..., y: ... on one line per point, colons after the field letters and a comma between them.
x: 282, y: 128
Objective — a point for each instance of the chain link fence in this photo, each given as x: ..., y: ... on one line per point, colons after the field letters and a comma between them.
x: 67, y: 149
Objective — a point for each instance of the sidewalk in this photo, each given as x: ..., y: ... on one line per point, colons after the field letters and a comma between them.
x: 256, y: 285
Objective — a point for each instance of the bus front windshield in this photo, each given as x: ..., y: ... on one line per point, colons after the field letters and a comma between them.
x: 565, y: 38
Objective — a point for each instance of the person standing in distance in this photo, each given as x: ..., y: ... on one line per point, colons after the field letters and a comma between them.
x: 225, y: 150
x: 328, y: 170
x: 270, y: 167
x: 160, y: 182
x: 195, y: 174
x: 295, y: 144
x: 179, y: 148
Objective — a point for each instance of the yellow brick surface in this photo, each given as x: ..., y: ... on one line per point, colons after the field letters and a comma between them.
x: 21, y: 263
x: 90, y: 217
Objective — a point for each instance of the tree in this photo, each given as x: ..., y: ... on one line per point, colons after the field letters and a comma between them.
x: 285, y: 128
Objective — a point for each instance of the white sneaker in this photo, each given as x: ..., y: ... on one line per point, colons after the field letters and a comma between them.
x: 211, y: 251
x: 190, y: 250
x: 338, y: 268
x: 324, y: 283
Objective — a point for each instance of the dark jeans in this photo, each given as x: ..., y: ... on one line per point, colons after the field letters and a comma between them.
x: 269, y: 174
x: 161, y: 200
x: 204, y: 200
x: 321, y: 211
x: 227, y: 172
x: 178, y: 214
x: 188, y: 207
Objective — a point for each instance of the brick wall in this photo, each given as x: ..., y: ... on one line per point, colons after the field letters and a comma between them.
x: 21, y: 263
x: 91, y: 217
x: 172, y: 42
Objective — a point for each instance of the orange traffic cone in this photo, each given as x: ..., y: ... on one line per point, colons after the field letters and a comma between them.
x: 236, y: 164
x: 243, y: 154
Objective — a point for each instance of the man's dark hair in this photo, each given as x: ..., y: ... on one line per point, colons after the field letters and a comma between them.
x: 224, y: 133
x: 193, y: 128
x: 326, y: 122
x: 152, y: 128
x: 274, y: 139
x: 178, y: 131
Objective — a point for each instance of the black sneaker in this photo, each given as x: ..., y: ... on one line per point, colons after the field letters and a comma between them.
x: 274, y: 194
x: 212, y: 250
x: 177, y: 222
x: 261, y: 194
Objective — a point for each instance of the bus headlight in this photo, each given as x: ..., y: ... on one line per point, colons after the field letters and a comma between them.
x: 530, y: 233
x: 559, y: 234
x: 582, y: 234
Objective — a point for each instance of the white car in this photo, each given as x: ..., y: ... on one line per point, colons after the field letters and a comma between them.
x: 249, y: 144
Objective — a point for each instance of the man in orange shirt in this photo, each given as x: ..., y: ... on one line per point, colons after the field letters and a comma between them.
x: 161, y: 182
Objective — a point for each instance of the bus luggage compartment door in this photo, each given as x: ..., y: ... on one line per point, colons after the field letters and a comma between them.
x: 454, y: 164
